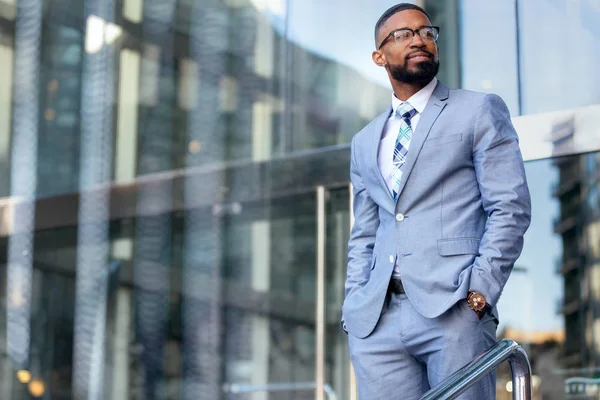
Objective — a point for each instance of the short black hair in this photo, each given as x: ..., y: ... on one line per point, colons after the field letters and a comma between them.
x: 392, y: 11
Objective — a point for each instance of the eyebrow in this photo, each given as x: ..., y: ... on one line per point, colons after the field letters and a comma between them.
x: 406, y: 27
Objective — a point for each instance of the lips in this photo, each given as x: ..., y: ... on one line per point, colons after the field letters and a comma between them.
x: 419, y: 56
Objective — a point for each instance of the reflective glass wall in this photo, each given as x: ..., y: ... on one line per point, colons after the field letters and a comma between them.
x: 159, y: 164
x: 174, y: 205
x: 550, y: 303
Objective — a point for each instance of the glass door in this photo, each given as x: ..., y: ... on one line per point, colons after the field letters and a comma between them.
x: 291, y: 252
x: 269, y: 320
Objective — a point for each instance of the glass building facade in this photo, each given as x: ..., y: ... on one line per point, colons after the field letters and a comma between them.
x: 175, y: 201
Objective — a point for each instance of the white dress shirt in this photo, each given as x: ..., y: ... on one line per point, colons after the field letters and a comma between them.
x: 392, y: 127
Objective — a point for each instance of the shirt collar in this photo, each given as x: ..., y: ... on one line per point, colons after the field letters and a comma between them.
x: 418, y: 100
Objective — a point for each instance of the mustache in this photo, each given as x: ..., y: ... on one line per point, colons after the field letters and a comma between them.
x: 430, y: 54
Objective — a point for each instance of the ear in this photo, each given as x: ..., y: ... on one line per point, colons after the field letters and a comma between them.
x: 379, y: 58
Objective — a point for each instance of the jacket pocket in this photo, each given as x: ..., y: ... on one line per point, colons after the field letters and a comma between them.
x: 440, y: 140
x: 452, y: 247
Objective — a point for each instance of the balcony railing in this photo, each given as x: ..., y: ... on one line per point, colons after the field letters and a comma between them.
x: 567, y: 307
x: 564, y: 266
x: 562, y: 188
x: 563, y: 224
x: 457, y: 383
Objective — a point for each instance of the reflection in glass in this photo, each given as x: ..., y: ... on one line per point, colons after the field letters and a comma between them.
x: 19, y: 268
x: 547, y: 66
x: 550, y: 302
x: 269, y: 281
x: 93, y: 269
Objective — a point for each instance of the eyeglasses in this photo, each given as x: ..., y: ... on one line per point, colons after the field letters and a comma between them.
x: 405, y: 35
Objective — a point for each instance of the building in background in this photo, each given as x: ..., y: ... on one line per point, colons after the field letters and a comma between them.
x: 175, y: 193
x: 577, y: 190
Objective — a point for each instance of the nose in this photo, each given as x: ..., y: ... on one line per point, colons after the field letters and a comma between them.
x: 417, y: 40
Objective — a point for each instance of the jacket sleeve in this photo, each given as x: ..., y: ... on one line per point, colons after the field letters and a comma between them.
x: 362, y: 235
x: 504, y: 195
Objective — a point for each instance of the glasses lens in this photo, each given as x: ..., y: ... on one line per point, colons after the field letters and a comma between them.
x: 428, y: 34
x: 403, y: 35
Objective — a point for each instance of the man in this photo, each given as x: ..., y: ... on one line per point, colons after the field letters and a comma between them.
x: 441, y: 205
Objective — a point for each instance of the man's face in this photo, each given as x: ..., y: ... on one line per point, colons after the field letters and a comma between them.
x: 415, y: 61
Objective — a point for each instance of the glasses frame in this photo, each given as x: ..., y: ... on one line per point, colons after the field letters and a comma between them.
x: 392, y: 33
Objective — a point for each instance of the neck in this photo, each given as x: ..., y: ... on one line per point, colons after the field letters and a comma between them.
x: 405, y: 91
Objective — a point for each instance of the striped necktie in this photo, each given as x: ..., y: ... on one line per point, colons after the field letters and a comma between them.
x: 406, y: 112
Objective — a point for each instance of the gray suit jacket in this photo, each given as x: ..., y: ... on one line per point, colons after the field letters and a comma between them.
x: 459, y: 221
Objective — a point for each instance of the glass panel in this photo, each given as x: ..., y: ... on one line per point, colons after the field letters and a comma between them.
x: 60, y: 97
x: 281, y: 76
x: 329, y: 55
x: 336, y: 87
x: 548, y: 66
x: 51, y: 318
x: 487, y: 26
x: 336, y: 342
x: 546, y: 81
x: 269, y: 265
x: 445, y: 14
x: 192, y: 301
x: 550, y: 304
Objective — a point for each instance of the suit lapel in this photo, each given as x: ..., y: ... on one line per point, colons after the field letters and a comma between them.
x: 436, y: 104
x: 377, y: 133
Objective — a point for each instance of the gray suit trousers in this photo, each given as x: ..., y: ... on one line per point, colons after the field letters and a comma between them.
x: 407, y: 353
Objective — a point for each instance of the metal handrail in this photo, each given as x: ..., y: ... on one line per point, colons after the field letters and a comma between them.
x: 236, y: 388
x: 504, y: 350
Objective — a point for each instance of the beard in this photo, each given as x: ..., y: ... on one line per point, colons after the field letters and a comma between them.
x: 425, y: 71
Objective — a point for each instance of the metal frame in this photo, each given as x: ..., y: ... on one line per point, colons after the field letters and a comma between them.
x: 279, y: 387
x: 352, y: 381
x: 258, y: 181
x: 320, y: 306
x: 504, y: 350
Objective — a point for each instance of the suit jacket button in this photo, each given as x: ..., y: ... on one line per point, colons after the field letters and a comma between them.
x: 392, y: 259
x: 399, y: 217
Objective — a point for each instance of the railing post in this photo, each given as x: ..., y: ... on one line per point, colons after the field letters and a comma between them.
x: 521, y: 375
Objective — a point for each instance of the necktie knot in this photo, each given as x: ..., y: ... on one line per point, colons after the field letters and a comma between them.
x: 406, y: 112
